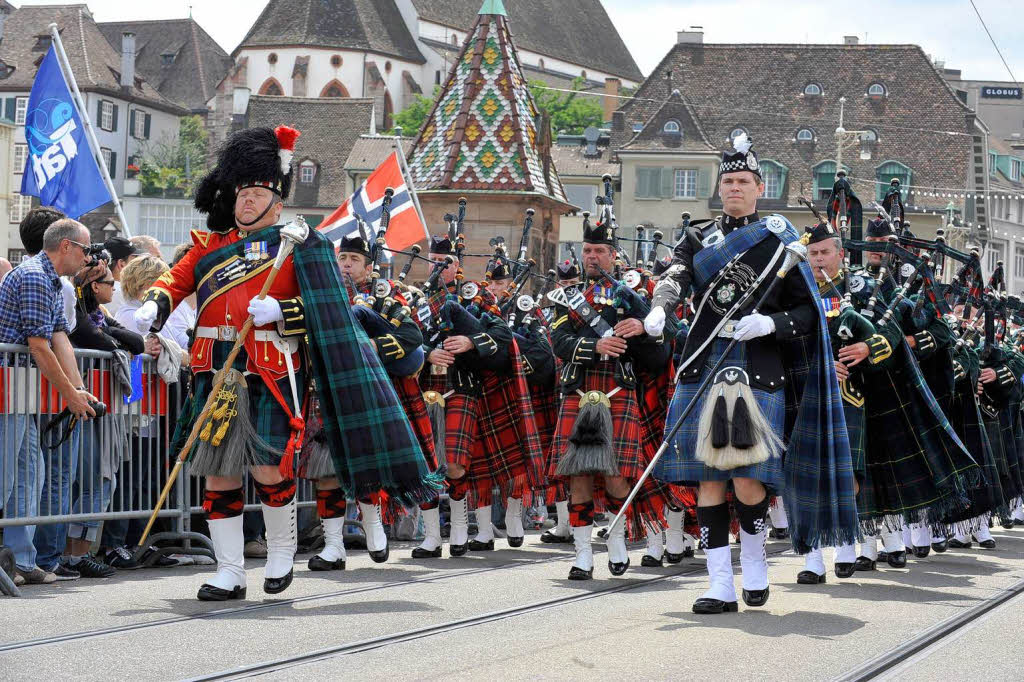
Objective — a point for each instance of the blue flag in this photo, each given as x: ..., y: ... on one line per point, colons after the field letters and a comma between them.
x: 60, y: 168
x: 136, y: 369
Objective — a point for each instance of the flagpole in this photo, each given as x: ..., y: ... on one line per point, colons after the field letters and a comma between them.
x: 408, y: 180
x: 90, y: 134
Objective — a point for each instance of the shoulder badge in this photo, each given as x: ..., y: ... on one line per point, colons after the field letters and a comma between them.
x: 200, y: 237
x: 856, y: 284
x: 776, y: 224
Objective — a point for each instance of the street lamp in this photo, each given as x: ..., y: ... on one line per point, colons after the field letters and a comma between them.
x: 844, y: 137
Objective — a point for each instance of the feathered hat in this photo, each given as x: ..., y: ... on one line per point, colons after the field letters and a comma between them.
x: 744, y: 158
x: 254, y: 157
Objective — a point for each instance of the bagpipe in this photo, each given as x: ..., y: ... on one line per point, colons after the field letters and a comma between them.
x: 914, y: 271
x: 845, y: 212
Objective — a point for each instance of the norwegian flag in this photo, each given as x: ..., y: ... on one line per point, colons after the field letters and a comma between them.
x: 405, y: 228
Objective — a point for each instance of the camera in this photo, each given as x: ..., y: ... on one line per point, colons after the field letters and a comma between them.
x: 99, y: 407
x: 96, y: 253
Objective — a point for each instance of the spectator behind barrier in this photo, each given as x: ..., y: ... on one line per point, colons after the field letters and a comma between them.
x: 31, y: 229
x: 32, y: 314
x: 122, y: 252
x: 5, y: 267
x: 148, y: 245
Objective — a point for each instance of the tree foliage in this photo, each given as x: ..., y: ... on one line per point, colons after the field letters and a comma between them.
x: 412, y: 118
x: 570, y: 113
x: 174, y: 164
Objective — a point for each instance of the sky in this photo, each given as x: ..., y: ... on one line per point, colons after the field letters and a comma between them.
x: 948, y: 30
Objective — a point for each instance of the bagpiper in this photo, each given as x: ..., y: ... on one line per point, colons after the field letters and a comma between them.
x: 751, y: 291
x: 302, y: 330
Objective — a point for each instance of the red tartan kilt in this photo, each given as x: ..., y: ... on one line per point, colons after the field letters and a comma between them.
x: 461, y: 428
x: 411, y: 397
x: 433, y: 382
x: 545, y: 415
x: 627, y: 423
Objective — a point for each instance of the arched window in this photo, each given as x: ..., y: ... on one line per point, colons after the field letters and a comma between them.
x: 307, y: 172
x: 805, y: 135
x: 774, y: 175
x: 736, y: 132
x: 876, y: 90
x: 389, y: 110
x: 336, y: 60
x: 455, y: 40
x: 540, y: 63
x: 813, y: 90
x: 884, y: 175
x: 824, y: 177
x: 334, y: 89
x: 671, y: 126
x: 271, y: 87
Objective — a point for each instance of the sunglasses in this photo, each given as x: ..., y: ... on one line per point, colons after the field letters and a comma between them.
x: 83, y: 247
x: 108, y: 282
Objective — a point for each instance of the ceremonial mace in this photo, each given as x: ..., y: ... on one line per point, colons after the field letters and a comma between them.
x: 292, y: 234
x: 795, y: 253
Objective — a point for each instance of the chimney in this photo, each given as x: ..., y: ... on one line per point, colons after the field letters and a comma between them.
x: 851, y: 40
x: 694, y: 36
x: 127, y: 60
x: 618, y: 122
x: 668, y: 82
x: 610, y: 101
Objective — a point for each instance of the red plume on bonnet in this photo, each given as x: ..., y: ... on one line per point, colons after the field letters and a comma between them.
x: 286, y: 138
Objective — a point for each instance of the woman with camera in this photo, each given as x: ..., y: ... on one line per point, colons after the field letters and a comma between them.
x: 95, y: 330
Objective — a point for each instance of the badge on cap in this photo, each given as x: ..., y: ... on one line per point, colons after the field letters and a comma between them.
x: 751, y: 161
x: 776, y: 224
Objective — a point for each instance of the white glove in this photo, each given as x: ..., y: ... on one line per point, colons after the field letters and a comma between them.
x: 265, y: 311
x: 654, y: 323
x: 753, y: 326
x: 145, y: 316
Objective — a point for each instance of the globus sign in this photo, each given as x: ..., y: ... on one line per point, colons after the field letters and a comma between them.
x: 1000, y: 92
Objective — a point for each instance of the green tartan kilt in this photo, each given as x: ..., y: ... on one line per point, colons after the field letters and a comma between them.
x: 266, y: 415
x: 1001, y: 436
x: 855, y: 428
x: 911, y: 465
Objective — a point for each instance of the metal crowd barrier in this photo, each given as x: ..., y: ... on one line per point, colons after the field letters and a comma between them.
x: 108, y: 470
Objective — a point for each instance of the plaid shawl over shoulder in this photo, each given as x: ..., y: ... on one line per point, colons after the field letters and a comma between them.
x: 369, y: 435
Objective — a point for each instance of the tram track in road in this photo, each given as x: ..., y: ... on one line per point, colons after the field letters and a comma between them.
x: 889, y: 664
x: 249, y: 608
x: 350, y: 648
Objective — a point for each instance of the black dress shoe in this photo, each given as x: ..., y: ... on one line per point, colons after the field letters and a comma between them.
x: 577, y: 573
x: 778, y: 533
x: 278, y: 585
x: 957, y: 544
x: 1006, y: 523
x: 757, y: 597
x: 676, y: 558
x: 864, y: 564
x: 809, y: 578
x: 210, y: 593
x: 845, y: 570
x: 420, y: 553
x: 318, y: 563
x: 705, y: 605
x: 514, y: 541
x: 896, y: 559
x: 477, y: 546
x: 1018, y: 522
x: 987, y: 544
x: 380, y: 556
x: 618, y: 568
x: 922, y: 552
x: 651, y: 562
x: 552, y: 539
x: 940, y: 547
x: 458, y: 550
x: 883, y: 556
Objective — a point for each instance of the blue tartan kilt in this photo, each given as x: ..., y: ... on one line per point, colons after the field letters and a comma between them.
x: 679, y: 465
x: 855, y: 428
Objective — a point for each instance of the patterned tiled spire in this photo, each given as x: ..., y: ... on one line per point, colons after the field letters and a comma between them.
x: 482, y: 132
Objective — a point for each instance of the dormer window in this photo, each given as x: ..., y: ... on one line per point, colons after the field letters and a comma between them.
x: 637, y: 127
x: 876, y: 91
x: 736, y: 132
x: 167, y: 58
x: 805, y: 135
x: 813, y: 90
x: 43, y: 41
x: 307, y: 172
x: 1015, y: 170
x: 671, y: 127
x: 869, y: 136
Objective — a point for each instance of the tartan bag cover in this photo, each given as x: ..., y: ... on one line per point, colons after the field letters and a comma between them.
x: 373, y: 445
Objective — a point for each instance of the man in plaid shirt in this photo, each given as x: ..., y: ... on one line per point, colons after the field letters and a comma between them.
x: 32, y: 314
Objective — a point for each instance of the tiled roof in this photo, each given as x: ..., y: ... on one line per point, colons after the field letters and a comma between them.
x: 481, y: 134
x: 95, y: 64
x: 370, y: 151
x: 371, y: 25
x: 576, y: 31
x: 329, y: 128
x: 572, y: 162
x: 652, y: 138
x: 197, y: 62
x: 920, y: 121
